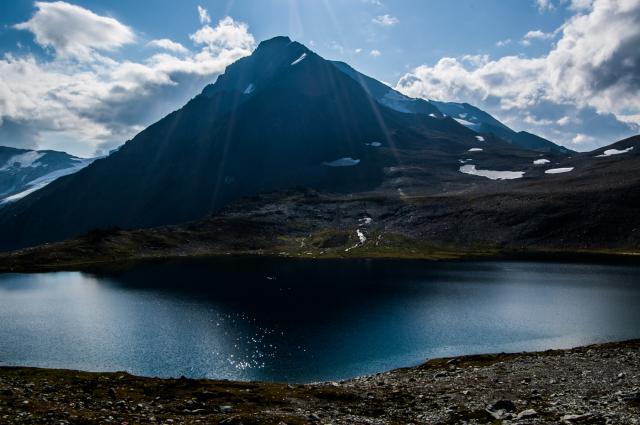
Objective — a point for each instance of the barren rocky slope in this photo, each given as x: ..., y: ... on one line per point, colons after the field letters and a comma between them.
x: 592, y: 210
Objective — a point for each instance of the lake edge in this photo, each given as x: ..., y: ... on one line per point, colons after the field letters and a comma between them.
x: 130, y: 398
x: 11, y: 262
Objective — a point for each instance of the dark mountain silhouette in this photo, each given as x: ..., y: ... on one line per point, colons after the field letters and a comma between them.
x: 589, y: 211
x: 285, y: 118
x: 281, y: 117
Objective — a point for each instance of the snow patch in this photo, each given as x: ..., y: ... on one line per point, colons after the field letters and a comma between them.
x: 24, y: 160
x: 42, y: 181
x: 433, y: 115
x: 343, y: 162
x: 491, y: 174
x: 480, y: 138
x: 300, y: 59
x: 475, y: 150
x: 610, y: 152
x: 472, y: 125
x: 365, y: 221
x: 20, y: 195
x: 250, y: 88
x: 361, y: 240
x: 559, y: 170
x: 541, y: 161
x: 464, y: 122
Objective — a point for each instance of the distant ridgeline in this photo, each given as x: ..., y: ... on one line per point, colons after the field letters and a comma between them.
x: 25, y: 171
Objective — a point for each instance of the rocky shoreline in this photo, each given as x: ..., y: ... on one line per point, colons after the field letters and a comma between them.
x: 598, y: 384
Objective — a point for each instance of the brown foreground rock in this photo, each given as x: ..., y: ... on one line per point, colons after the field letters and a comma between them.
x: 599, y: 384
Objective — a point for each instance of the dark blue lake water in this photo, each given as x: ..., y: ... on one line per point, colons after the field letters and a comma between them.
x: 257, y: 319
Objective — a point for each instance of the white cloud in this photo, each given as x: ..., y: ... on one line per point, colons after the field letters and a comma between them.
x: 166, y: 44
x: 81, y: 105
x: 227, y: 35
x: 581, y: 139
x: 629, y: 118
x: 544, y: 5
x: 512, y: 79
x: 532, y: 119
x: 597, y: 60
x: 475, y: 60
x: 580, y: 5
x: 375, y: 53
x: 204, y: 15
x: 594, y: 69
x: 536, y: 35
x: 385, y: 20
x: 74, y: 32
x: 502, y: 43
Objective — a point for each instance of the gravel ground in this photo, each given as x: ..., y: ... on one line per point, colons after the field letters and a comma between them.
x: 598, y: 384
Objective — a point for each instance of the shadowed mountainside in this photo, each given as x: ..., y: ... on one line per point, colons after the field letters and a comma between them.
x: 283, y: 117
x: 591, y: 210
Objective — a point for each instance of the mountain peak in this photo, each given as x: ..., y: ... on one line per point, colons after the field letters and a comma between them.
x: 279, y: 40
x: 268, y: 60
x: 279, y: 46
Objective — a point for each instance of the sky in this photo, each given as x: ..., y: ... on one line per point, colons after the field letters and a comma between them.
x: 84, y: 76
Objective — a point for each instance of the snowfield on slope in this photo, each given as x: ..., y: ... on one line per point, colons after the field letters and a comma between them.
x: 365, y: 221
x: 250, y: 88
x: 491, y: 174
x: 610, y: 152
x: 559, y: 170
x: 300, y: 59
x: 465, y: 122
x: 342, y: 162
x: 23, y: 160
x: 42, y: 181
